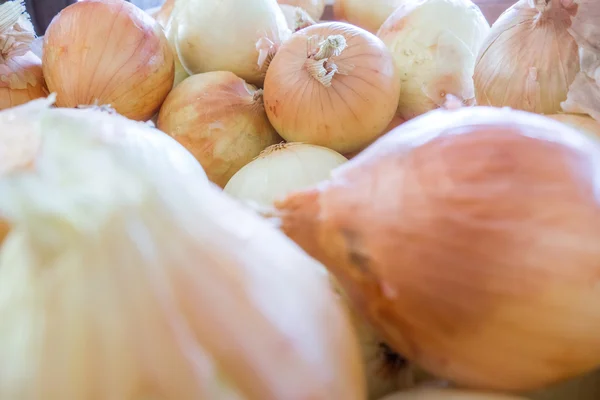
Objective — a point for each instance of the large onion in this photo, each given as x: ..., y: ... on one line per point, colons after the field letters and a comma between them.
x: 108, y: 52
x: 340, y: 94
x: 127, y: 276
x: 239, y: 36
x: 367, y: 14
x: 469, y: 238
x: 447, y: 394
x: 435, y: 45
x: 220, y: 119
x: 314, y: 8
x: 583, y: 123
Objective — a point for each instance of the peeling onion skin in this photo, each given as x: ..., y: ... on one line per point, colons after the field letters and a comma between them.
x: 109, y: 52
x: 469, y: 239
x: 220, y: 119
x: 21, y: 80
x: 529, y: 59
x: 448, y: 394
x: 349, y: 114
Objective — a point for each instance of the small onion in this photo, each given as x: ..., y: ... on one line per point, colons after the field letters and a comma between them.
x: 435, y: 45
x: 583, y: 123
x: 220, y: 119
x: 21, y: 78
x: 469, y: 239
x: 314, y: 8
x: 448, y: 394
x: 367, y: 14
x: 340, y: 94
x: 108, y: 52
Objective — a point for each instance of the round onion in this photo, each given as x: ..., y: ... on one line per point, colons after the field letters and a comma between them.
x: 240, y: 36
x: 314, y: 8
x: 529, y: 59
x: 341, y: 94
x: 469, y: 238
x: 220, y: 119
x: 447, y: 394
x: 583, y: 123
x: 435, y: 45
x: 21, y: 77
x: 367, y: 14
x: 108, y: 52
x: 282, y: 169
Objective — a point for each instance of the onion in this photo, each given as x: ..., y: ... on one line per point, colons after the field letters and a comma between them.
x: 583, y: 123
x: 367, y: 14
x: 21, y: 77
x: 584, y: 93
x: 341, y: 95
x: 530, y: 58
x: 108, y: 52
x: 296, y: 17
x: 314, y: 8
x: 448, y: 394
x: 220, y: 119
x: 469, y: 239
x: 435, y: 45
x: 239, y: 36
x: 128, y: 277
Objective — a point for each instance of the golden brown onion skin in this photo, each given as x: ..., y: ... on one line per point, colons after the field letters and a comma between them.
x: 469, y: 238
x: 109, y: 52
x: 21, y: 80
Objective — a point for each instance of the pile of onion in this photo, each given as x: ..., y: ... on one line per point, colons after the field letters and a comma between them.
x: 314, y: 8
x: 108, y: 52
x: 128, y: 276
x: 240, y: 36
x: 469, y: 239
x: 531, y: 57
x: 220, y: 119
x: 367, y: 14
x: 435, y: 45
x: 21, y: 77
x: 339, y: 94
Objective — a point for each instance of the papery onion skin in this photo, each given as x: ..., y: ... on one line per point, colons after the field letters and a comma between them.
x: 314, y: 8
x: 348, y: 114
x: 584, y: 123
x: 469, y: 238
x: 150, y: 288
x: 448, y: 394
x: 529, y: 59
x: 282, y: 169
x: 21, y: 80
x: 435, y: 45
x: 220, y: 119
x: 367, y: 14
x: 108, y: 52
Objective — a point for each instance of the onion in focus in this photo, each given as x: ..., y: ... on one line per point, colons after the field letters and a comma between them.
x: 140, y: 280
x: 367, y: 14
x: 582, y: 122
x: 282, y: 169
x: 108, y: 52
x: 314, y: 8
x: 340, y: 95
x: 21, y: 77
x: 530, y: 58
x: 240, y: 36
x: 220, y: 119
x: 435, y: 45
x: 448, y: 394
x: 469, y: 239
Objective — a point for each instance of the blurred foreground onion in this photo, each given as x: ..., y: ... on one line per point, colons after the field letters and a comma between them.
x: 448, y: 394
x: 367, y: 14
x: 108, y: 52
x: 583, y: 123
x: 314, y: 8
x: 435, y: 45
x: 341, y: 94
x: 128, y: 276
x: 469, y: 238
x: 21, y: 77
x: 220, y: 119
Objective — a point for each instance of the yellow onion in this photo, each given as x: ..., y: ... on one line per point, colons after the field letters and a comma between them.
x: 296, y: 17
x: 220, y: 119
x: 122, y: 278
x: 469, y: 239
x: 435, y: 45
x: 314, y: 8
x: 108, y: 52
x: 582, y: 122
x: 339, y: 94
x: 21, y: 78
x: 448, y: 394
x: 239, y: 36
x: 367, y: 14
x: 530, y: 58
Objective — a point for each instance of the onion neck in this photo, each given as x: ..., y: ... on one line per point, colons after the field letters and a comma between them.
x: 15, y: 39
x: 559, y: 12
x: 302, y: 19
x: 320, y: 66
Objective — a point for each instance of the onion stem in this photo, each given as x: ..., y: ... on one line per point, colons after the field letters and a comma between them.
x: 319, y: 66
